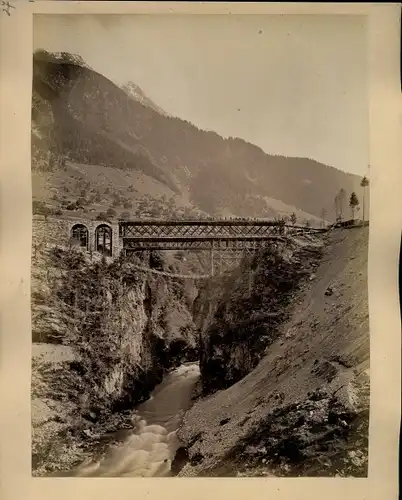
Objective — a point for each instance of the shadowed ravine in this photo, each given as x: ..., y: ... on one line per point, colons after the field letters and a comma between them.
x: 281, y: 388
x: 150, y: 449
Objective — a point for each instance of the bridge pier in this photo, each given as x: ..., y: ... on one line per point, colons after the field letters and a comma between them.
x: 146, y: 254
x: 212, y: 258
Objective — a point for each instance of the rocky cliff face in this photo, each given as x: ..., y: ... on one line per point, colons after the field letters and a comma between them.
x: 239, y: 315
x: 122, y: 329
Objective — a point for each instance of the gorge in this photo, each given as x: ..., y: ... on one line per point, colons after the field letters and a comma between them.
x: 282, y: 345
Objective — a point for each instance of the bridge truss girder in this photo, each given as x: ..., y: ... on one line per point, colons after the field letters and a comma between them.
x: 189, y: 229
x: 225, y: 253
x: 226, y: 240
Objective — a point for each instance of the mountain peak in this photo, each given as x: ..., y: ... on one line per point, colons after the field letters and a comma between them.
x: 136, y: 93
x: 61, y: 57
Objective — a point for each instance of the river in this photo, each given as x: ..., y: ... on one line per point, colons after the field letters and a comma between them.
x: 148, y: 451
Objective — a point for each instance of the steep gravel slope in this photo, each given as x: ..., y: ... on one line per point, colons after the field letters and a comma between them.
x: 304, y: 409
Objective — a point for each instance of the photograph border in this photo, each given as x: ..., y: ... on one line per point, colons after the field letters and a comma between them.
x: 16, y: 38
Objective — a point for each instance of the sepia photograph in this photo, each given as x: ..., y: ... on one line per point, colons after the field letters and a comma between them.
x: 199, y: 265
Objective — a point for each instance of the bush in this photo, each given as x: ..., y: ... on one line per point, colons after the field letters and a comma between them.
x: 81, y: 202
x: 102, y: 216
x: 40, y: 208
x: 96, y: 197
x: 111, y: 212
x: 116, y: 201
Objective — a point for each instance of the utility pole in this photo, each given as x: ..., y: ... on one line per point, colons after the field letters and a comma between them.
x: 364, y: 183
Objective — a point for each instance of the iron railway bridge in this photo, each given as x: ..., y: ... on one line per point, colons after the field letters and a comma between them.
x: 227, y: 241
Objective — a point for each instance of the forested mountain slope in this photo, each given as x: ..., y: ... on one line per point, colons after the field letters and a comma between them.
x: 83, y: 118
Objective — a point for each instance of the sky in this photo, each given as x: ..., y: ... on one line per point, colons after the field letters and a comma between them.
x: 295, y: 85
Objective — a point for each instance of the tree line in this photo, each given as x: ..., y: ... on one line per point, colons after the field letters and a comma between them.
x: 353, y: 201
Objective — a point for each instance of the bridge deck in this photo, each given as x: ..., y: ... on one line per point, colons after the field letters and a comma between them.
x: 206, y: 222
x: 201, y: 222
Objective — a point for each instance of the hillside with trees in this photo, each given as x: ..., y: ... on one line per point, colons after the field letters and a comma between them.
x: 79, y: 117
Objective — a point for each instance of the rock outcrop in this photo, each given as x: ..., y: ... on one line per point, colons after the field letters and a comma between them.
x: 122, y: 328
x: 238, y: 316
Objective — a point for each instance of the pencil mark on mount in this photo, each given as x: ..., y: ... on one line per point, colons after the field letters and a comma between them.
x: 6, y: 6
x: 199, y: 302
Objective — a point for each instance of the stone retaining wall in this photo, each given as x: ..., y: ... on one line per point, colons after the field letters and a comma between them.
x: 54, y: 231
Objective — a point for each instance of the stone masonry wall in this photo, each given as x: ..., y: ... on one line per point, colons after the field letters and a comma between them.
x: 55, y: 231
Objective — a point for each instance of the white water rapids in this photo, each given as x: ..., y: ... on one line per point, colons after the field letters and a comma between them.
x: 150, y: 449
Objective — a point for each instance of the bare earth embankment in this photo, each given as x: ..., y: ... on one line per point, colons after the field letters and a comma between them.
x: 303, y: 410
